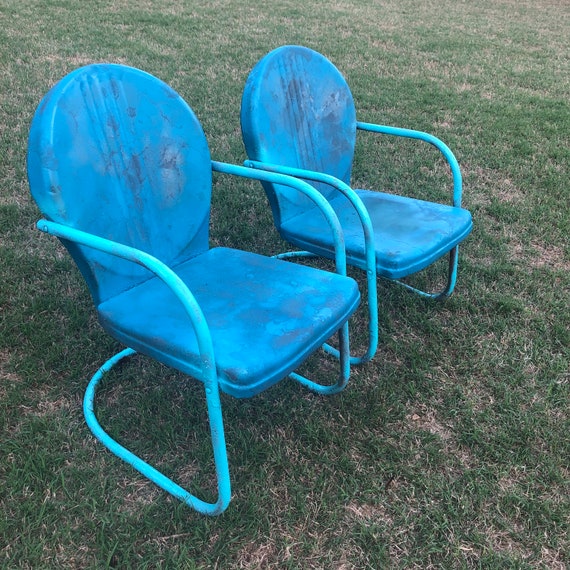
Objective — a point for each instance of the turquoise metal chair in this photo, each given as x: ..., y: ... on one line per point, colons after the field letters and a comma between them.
x: 120, y: 168
x: 298, y: 117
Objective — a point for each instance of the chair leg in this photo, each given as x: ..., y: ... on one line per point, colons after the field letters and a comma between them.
x: 372, y: 312
x: 451, y: 279
x: 344, y: 373
x: 372, y: 288
x: 218, y: 442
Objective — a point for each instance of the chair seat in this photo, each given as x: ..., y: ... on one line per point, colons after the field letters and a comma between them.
x: 265, y: 316
x: 409, y: 234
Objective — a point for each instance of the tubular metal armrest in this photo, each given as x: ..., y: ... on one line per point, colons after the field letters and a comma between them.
x: 426, y: 137
x: 303, y: 188
x: 156, y: 267
x: 343, y: 353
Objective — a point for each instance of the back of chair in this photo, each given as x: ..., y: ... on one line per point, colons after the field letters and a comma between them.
x: 297, y: 110
x: 115, y: 152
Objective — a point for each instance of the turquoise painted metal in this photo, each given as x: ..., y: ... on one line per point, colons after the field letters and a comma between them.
x: 298, y: 118
x: 121, y: 170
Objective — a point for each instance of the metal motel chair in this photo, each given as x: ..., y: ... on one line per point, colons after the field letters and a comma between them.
x: 298, y: 117
x: 121, y: 170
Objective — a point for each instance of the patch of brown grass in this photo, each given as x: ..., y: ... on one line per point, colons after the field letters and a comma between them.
x: 539, y: 255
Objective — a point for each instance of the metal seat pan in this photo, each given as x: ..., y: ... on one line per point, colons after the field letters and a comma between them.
x: 265, y: 316
x: 409, y: 234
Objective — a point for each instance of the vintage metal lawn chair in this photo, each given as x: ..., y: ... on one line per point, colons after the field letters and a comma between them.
x: 298, y: 117
x: 120, y: 168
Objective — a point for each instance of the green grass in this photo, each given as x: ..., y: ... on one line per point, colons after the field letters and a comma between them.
x: 449, y: 450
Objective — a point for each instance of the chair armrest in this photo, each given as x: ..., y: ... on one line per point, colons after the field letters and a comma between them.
x: 426, y: 137
x: 303, y: 188
x: 339, y: 185
x: 158, y: 268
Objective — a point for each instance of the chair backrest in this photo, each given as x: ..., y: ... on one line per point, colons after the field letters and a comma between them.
x: 297, y: 110
x: 116, y: 152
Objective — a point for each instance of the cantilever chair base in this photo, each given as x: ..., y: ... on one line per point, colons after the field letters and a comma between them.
x: 142, y: 466
x: 216, y: 423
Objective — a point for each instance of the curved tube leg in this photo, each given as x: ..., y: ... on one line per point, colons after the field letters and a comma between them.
x: 372, y: 287
x: 220, y: 456
x: 344, y: 356
x: 451, y: 279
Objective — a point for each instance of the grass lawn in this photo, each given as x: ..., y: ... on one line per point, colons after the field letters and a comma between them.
x: 451, y: 449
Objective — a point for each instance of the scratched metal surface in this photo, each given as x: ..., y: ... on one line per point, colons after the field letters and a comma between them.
x: 296, y: 113
x: 409, y: 234
x: 131, y: 163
